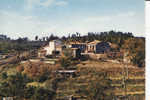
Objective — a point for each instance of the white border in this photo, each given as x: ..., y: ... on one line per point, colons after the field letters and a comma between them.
x: 147, y: 31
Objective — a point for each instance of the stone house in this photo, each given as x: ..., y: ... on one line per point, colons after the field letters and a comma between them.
x: 81, y: 46
x: 98, y: 47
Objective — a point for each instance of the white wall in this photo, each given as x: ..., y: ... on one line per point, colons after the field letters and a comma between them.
x: 47, y: 48
x: 52, y: 46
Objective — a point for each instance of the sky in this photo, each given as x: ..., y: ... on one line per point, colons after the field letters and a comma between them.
x: 28, y: 18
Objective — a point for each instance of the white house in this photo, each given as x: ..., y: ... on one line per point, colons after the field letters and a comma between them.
x: 53, y: 46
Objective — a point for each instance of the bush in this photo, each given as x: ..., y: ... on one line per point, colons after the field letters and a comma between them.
x: 43, y: 94
x: 4, y: 75
x: 65, y: 62
x: 136, y: 49
x: 84, y: 57
x: 43, y: 77
x: 20, y: 68
x: 15, y: 86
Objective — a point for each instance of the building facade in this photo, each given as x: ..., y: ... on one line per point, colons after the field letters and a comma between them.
x: 81, y: 46
x: 92, y: 47
x: 53, y: 46
x: 98, y: 47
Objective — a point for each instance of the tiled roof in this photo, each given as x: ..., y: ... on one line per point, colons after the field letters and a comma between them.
x: 94, y: 42
x: 76, y: 43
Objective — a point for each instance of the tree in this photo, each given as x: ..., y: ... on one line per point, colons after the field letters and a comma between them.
x: 52, y: 37
x: 98, y: 89
x: 43, y: 94
x: 65, y: 62
x: 4, y: 75
x: 136, y: 49
x: 36, y: 38
x: 14, y: 86
x: 44, y: 39
x: 29, y: 92
x: 64, y: 38
x: 68, y: 53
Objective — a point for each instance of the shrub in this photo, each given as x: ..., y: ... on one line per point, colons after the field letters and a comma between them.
x: 20, y: 68
x: 65, y: 62
x: 43, y: 94
x: 15, y: 86
x: 4, y: 75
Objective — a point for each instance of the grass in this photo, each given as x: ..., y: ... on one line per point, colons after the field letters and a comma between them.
x: 36, y: 84
x: 130, y: 78
x: 11, y: 71
x: 132, y: 93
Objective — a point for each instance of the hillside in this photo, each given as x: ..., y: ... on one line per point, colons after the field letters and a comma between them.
x: 90, y: 71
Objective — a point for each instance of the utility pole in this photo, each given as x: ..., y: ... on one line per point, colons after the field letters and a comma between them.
x: 125, y: 76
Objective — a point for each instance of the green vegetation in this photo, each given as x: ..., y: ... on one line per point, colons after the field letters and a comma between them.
x: 4, y: 75
x: 66, y: 60
x: 18, y: 45
x: 98, y: 89
x: 15, y: 86
x: 136, y: 49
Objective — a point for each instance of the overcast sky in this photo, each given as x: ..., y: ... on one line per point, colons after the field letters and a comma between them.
x: 20, y: 18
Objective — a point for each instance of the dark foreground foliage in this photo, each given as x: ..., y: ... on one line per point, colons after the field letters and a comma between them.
x: 15, y: 86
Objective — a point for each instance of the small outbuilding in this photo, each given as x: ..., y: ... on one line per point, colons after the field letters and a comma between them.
x: 67, y: 73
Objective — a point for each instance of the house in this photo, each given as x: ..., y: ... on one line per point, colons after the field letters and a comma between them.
x: 54, y: 46
x: 95, y: 49
x: 81, y: 46
x: 98, y: 47
x: 76, y: 52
